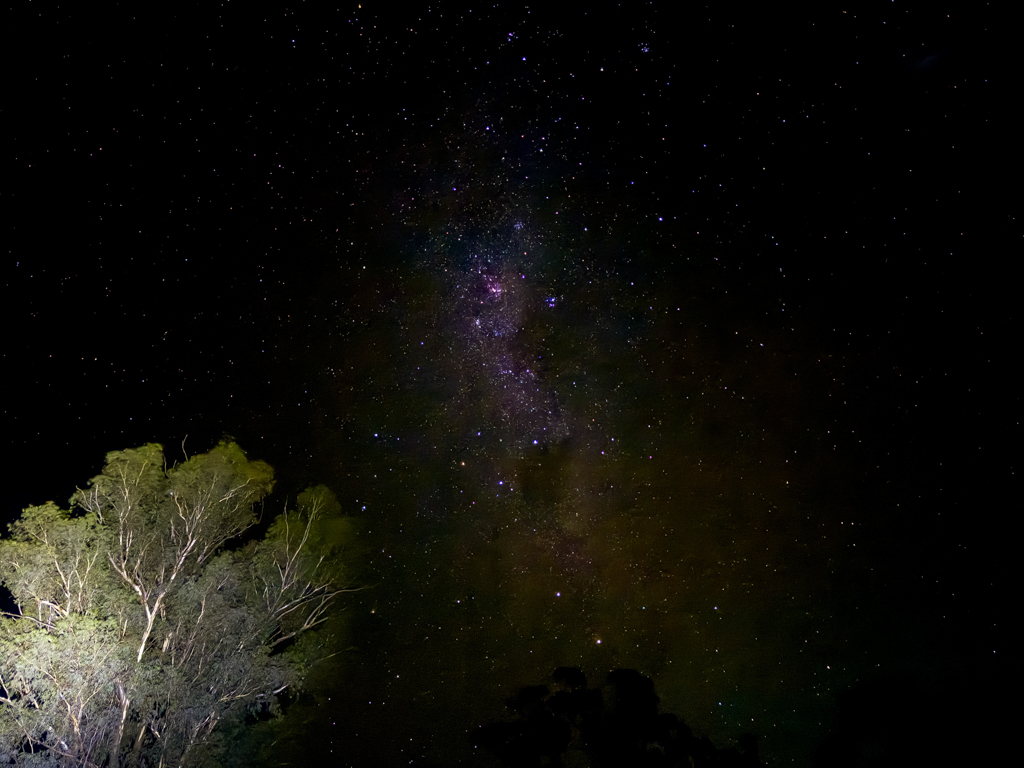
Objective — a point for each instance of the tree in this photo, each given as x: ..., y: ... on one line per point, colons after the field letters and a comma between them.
x: 615, y: 725
x: 137, y: 631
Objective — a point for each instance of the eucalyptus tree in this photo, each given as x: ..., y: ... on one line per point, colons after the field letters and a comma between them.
x: 136, y: 630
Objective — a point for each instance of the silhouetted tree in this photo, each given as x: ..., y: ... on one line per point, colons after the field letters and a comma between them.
x: 613, y: 727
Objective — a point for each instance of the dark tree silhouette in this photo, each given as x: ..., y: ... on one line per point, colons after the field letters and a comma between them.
x: 570, y: 724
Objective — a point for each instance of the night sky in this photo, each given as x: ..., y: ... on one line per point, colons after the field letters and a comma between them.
x: 635, y: 338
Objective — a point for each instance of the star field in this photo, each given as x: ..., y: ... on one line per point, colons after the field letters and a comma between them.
x: 633, y: 341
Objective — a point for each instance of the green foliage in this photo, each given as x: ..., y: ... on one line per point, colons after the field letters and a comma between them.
x: 138, y: 636
x: 53, y: 562
x: 319, y: 501
x: 59, y: 685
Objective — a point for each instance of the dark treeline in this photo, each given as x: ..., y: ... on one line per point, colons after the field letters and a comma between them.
x: 618, y: 724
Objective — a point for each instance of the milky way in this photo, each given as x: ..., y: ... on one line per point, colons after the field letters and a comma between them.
x: 630, y: 339
x: 568, y: 473
x: 494, y: 297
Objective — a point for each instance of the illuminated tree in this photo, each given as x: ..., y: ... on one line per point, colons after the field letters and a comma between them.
x: 136, y: 631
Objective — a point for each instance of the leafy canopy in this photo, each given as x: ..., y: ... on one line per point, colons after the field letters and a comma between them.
x: 137, y: 635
